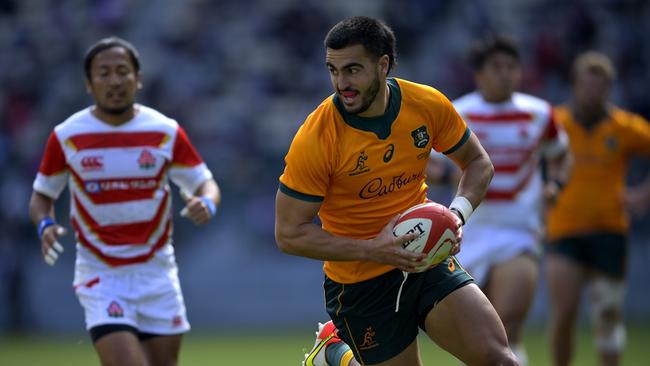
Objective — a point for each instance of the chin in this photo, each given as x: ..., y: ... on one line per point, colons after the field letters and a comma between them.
x: 116, y: 109
x: 352, y: 109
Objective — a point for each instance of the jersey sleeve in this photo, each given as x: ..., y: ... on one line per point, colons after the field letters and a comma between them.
x: 187, y: 171
x: 450, y: 132
x: 307, y: 166
x: 52, y: 175
x: 636, y: 135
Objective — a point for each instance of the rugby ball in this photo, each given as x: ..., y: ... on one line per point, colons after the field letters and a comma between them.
x: 436, y: 226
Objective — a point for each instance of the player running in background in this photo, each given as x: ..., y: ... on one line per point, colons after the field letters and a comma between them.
x: 357, y: 162
x: 501, y: 241
x: 588, y: 225
x: 117, y: 157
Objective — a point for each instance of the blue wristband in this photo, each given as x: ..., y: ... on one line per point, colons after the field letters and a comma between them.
x: 211, y: 206
x: 45, y: 222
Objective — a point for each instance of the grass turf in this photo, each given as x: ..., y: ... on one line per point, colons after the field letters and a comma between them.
x: 281, y: 349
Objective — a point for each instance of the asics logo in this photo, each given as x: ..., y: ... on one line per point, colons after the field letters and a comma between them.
x: 92, y: 163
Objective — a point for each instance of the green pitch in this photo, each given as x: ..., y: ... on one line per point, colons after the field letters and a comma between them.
x: 281, y: 349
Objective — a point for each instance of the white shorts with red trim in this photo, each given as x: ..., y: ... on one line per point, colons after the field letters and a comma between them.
x: 146, y: 296
x: 485, y: 246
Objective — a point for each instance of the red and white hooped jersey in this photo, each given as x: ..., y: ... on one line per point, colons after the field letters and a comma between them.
x: 515, y: 134
x: 118, y: 179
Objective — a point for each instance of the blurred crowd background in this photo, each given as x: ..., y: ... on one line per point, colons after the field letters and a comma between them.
x: 241, y: 76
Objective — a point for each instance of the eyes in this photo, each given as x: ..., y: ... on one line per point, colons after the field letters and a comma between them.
x: 350, y: 70
x: 120, y: 70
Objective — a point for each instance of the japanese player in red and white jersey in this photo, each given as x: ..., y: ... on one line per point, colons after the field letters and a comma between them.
x: 117, y: 158
x: 500, y: 244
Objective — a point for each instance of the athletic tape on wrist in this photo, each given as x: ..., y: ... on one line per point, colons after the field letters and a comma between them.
x: 210, y: 204
x: 463, y: 206
x: 45, y: 222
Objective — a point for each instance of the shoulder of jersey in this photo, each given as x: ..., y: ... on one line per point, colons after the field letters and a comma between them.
x: 79, y: 117
x: 151, y: 115
x: 414, y: 92
x: 322, y: 120
x: 531, y: 103
x: 467, y: 101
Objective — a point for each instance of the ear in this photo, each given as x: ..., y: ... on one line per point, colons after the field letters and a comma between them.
x: 139, y: 79
x: 384, y: 62
x: 89, y: 88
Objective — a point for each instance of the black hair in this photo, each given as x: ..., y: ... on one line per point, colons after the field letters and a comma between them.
x: 373, y: 34
x: 110, y: 42
x: 490, y: 45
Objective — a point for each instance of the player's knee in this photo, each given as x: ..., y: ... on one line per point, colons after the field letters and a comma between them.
x: 606, y: 308
x: 504, y: 357
x: 512, y: 322
x: 501, y: 356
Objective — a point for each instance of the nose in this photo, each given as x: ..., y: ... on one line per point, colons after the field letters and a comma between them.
x: 114, y: 80
x: 342, y: 82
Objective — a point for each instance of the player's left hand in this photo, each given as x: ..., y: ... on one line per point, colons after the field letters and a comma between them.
x: 455, y: 248
x: 551, y: 191
x: 636, y: 200
x: 197, y: 210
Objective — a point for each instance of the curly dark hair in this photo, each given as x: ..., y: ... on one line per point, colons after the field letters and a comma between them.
x: 373, y: 34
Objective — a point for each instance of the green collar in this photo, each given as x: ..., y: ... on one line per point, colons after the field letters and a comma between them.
x: 379, y: 125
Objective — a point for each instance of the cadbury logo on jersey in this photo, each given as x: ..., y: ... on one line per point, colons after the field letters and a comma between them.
x: 93, y: 162
x: 377, y: 187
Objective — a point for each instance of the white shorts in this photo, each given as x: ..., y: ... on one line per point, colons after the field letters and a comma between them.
x: 485, y: 246
x: 146, y: 296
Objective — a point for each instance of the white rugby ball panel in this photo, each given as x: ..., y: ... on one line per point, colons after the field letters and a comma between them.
x: 419, y: 226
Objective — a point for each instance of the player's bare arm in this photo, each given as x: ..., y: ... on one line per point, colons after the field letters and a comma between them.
x: 41, y: 210
x: 558, y: 170
x: 202, y: 206
x: 296, y: 234
x: 477, y: 170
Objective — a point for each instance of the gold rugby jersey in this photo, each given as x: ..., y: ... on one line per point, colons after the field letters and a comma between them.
x: 592, y: 199
x: 367, y: 170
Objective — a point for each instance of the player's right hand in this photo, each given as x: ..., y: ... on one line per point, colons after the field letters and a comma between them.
x: 455, y: 248
x: 50, y: 246
x: 386, y: 248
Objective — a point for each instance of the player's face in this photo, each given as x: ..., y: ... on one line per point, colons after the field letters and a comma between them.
x: 499, y: 77
x: 113, y: 80
x: 356, y: 77
x: 591, y: 89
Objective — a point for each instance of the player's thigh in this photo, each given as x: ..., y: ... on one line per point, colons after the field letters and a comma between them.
x: 565, y: 278
x: 162, y: 350
x: 485, y: 246
x: 466, y: 325
x: 511, y: 287
x: 120, y: 348
x: 410, y: 356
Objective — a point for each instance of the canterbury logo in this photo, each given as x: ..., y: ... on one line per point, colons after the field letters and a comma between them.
x: 92, y: 163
